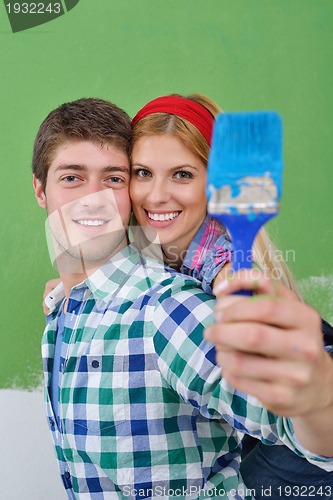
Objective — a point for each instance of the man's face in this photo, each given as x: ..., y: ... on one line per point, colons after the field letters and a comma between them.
x: 87, y: 201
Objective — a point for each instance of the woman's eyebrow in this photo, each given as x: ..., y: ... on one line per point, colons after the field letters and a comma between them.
x: 172, y: 169
x: 139, y: 165
x: 184, y: 166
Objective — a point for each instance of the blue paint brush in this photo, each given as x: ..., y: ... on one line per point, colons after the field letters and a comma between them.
x: 245, y: 177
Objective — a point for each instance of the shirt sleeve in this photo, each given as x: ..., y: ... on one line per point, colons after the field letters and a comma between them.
x: 327, y: 330
x: 212, y: 261
x: 187, y: 363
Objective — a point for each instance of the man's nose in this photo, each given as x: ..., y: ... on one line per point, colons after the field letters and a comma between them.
x: 97, y: 198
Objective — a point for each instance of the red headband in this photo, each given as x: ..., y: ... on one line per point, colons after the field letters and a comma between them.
x: 192, y: 111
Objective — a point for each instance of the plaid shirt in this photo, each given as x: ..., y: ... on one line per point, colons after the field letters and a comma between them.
x: 208, y: 252
x: 143, y: 410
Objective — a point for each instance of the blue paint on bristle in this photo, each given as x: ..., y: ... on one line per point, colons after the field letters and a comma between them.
x: 244, y: 145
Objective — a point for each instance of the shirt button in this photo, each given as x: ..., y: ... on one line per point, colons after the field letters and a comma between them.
x: 67, y: 474
x: 95, y: 363
x: 51, y: 422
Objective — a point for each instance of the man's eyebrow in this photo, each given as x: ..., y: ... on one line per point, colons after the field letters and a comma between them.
x: 84, y: 168
x: 117, y: 168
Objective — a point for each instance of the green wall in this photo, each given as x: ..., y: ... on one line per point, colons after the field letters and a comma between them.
x: 245, y: 54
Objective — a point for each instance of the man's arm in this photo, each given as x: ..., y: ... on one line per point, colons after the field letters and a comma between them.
x: 270, y: 346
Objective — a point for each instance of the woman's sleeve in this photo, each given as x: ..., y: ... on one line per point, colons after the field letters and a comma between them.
x: 213, y: 261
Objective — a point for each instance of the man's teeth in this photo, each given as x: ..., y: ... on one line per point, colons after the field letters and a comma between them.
x: 162, y: 217
x: 87, y: 222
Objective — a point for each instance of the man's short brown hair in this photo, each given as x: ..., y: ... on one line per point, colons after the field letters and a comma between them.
x: 87, y: 119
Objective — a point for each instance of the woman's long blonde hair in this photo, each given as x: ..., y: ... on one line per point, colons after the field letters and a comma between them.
x: 265, y: 254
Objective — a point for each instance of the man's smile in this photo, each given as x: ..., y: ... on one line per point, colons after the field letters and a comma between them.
x: 91, y: 222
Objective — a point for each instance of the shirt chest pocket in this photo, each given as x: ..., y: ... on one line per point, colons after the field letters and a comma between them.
x: 96, y: 400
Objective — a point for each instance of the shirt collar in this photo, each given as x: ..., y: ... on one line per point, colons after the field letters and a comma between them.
x: 104, y: 282
x: 109, y: 278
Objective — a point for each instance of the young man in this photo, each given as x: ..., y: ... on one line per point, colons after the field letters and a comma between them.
x: 135, y: 400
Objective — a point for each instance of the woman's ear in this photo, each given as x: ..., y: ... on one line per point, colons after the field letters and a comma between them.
x: 39, y: 192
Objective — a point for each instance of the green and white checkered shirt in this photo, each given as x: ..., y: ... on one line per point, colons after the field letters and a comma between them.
x: 143, y: 410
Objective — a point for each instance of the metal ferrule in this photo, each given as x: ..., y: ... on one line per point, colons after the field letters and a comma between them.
x: 252, y: 198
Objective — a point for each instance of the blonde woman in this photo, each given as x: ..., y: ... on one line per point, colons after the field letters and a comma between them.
x: 169, y: 159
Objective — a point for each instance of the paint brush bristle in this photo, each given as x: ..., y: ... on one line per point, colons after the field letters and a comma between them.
x: 245, y: 163
x: 244, y: 182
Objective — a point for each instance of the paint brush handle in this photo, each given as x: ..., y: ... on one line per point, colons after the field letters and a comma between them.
x: 243, y: 228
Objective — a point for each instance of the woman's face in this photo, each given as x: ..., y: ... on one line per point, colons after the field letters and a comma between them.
x: 167, y: 190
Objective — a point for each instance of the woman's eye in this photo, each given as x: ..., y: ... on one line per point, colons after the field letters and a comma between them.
x: 183, y: 175
x: 141, y: 172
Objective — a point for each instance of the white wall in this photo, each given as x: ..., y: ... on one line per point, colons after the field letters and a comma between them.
x: 28, y: 468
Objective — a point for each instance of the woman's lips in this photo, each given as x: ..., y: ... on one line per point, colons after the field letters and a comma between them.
x: 161, y: 219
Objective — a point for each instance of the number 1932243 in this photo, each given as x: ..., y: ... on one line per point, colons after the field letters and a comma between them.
x: 33, y: 8
x: 307, y: 491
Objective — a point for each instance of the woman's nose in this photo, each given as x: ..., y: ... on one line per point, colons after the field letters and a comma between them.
x: 159, y: 192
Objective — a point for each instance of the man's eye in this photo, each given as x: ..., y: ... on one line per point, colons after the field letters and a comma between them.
x: 70, y: 178
x: 115, y: 180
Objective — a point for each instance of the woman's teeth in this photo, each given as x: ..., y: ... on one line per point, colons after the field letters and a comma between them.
x: 163, y: 217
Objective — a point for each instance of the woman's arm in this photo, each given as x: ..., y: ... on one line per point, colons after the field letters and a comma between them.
x: 49, y: 286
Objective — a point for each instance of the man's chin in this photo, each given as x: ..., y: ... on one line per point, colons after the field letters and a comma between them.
x: 85, y: 258
x: 74, y: 262
x: 89, y: 254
